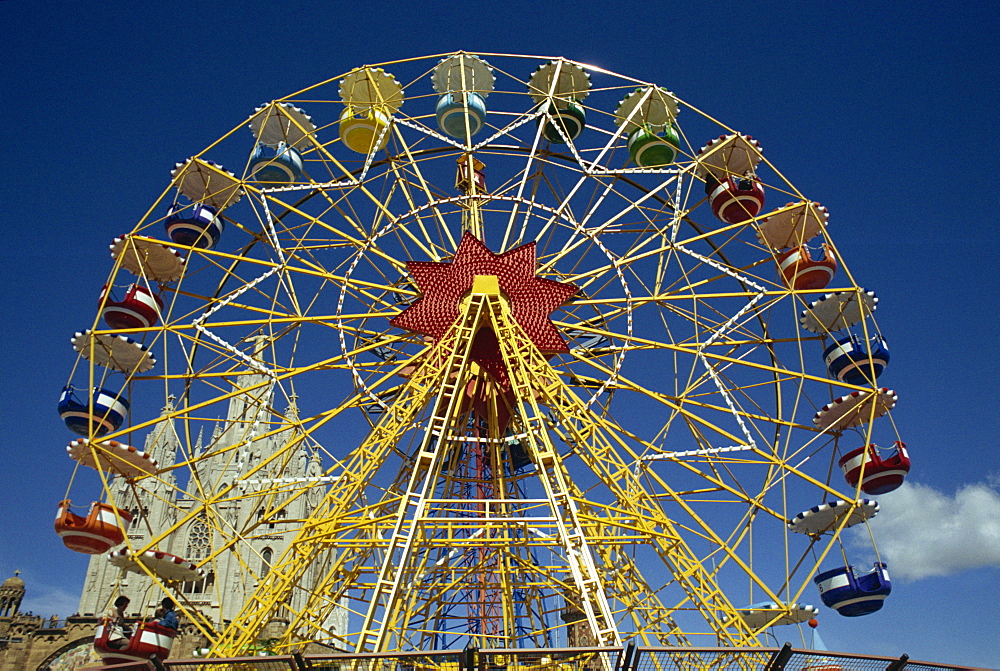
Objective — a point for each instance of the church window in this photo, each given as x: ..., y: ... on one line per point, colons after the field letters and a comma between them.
x: 265, y: 561
x: 279, y: 515
x: 198, y: 586
x: 199, y: 546
x: 199, y: 540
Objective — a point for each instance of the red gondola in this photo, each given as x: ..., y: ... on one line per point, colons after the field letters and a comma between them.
x: 140, y: 308
x: 94, y: 534
x: 462, y: 181
x: 881, y: 475
x: 800, y: 271
x: 148, y: 639
x: 737, y: 199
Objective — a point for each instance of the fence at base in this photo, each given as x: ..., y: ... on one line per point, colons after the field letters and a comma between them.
x: 630, y: 658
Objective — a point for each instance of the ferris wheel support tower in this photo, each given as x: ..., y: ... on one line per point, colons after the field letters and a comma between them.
x: 419, y: 509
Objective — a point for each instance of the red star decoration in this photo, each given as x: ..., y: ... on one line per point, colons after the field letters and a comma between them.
x: 532, y: 299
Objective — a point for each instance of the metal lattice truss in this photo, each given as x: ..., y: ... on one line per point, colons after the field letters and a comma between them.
x: 392, y: 549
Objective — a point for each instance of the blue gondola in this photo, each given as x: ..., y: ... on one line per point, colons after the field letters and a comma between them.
x: 456, y: 109
x: 852, y: 595
x: 855, y: 361
x: 108, y: 411
x: 275, y: 165
x: 194, y: 225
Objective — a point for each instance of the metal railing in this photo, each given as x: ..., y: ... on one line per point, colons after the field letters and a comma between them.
x: 629, y: 658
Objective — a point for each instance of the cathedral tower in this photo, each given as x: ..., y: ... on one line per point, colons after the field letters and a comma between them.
x: 251, y: 434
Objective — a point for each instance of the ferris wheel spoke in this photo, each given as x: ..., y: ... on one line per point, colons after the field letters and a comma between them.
x: 423, y: 186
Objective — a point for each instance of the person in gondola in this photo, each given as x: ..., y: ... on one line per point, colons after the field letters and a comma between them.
x: 119, y: 630
x: 167, y: 616
x: 711, y: 181
x: 746, y: 182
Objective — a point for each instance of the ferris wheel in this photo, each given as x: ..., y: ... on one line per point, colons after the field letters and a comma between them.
x: 487, y: 347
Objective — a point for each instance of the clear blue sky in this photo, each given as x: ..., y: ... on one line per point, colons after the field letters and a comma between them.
x: 886, y: 109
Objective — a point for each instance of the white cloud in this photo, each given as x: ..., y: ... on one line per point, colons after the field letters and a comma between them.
x: 922, y: 532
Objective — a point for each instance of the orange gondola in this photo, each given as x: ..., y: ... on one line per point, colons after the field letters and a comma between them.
x: 804, y: 273
x: 97, y: 532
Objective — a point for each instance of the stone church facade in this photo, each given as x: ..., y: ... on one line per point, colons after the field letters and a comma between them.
x: 161, y: 503
x: 29, y: 642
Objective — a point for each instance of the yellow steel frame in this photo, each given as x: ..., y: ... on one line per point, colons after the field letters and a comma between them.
x: 585, y: 534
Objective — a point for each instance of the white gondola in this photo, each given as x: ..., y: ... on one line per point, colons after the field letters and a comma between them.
x: 117, y: 352
x: 147, y: 258
x: 793, y: 225
x: 838, y: 311
x: 854, y: 409
x: 113, y: 457
x: 164, y: 565
x: 207, y: 182
x: 772, y: 614
x: 826, y: 516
